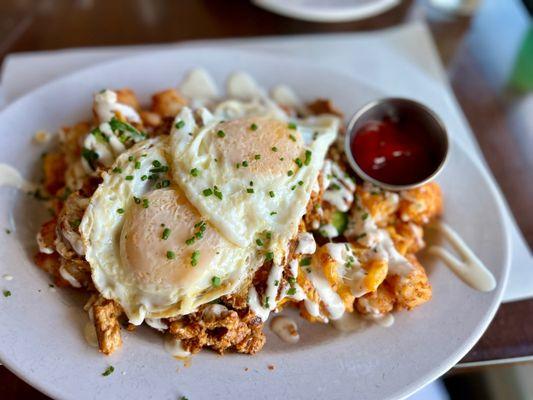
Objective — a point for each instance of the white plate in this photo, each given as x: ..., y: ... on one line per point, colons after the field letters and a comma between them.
x: 327, y: 10
x: 41, y: 336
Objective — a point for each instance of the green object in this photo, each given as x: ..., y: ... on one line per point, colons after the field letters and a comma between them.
x: 522, y: 76
x: 340, y: 221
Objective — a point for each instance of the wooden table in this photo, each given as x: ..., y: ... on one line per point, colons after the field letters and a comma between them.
x: 32, y: 26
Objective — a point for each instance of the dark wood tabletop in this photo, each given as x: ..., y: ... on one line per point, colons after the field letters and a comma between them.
x: 28, y: 25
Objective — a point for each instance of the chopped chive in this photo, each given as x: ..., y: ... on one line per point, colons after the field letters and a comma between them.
x: 221, y: 133
x: 156, y: 163
x: 271, y: 193
x: 308, y: 154
x: 195, y: 172
x: 165, y: 183
x: 292, y: 137
x: 136, y: 200
x: 120, y: 210
x: 171, y: 255
x: 207, y: 192
x: 215, y: 281
x: 300, y: 183
x: 291, y: 291
x: 189, y: 241
x: 273, y: 213
x: 249, y: 190
x: 259, y: 242
x: 195, y: 257
x: 291, y: 125
x: 137, y: 165
x: 274, y: 149
x: 268, y: 235
x: 162, y: 168
x: 166, y: 234
x: 364, y: 216
x: 238, y: 165
x: 251, y: 183
x: 304, y: 262
x: 180, y: 124
x: 117, y: 170
x: 257, y: 156
x: 129, y: 177
x: 276, y: 283
x: 109, y: 370
x: 144, y: 177
x: 245, y: 163
x: 298, y: 162
x: 6, y: 293
x: 130, y: 158
x: 269, y: 256
x: 145, y: 203
x: 293, y: 187
x: 290, y: 172
x: 266, y: 304
x: 253, y: 127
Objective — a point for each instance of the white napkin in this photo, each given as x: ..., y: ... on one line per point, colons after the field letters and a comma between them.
x: 400, y: 61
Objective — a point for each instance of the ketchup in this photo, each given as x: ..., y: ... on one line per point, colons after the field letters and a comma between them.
x: 395, y: 151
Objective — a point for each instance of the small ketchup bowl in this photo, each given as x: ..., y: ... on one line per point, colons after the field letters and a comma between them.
x: 396, y: 143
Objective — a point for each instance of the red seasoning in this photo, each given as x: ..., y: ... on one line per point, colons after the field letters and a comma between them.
x: 397, y: 152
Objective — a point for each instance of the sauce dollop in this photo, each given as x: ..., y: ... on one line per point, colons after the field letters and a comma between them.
x: 397, y: 151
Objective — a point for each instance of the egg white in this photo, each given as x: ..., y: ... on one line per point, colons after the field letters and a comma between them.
x: 128, y: 256
x: 241, y: 159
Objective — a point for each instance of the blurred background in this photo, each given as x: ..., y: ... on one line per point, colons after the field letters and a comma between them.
x: 486, y: 48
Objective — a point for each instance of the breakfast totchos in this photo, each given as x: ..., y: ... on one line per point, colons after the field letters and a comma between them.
x: 203, y: 213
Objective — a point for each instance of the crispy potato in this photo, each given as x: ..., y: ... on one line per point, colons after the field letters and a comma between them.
x: 407, y: 237
x: 421, y: 205
x: 54, y: 166
x: 380, y: 301
x: 151, y: 119
x: 128, y: 97
x: 168, y: 103
x: 412, y: 290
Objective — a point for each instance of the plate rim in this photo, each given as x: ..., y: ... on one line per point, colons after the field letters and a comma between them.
x: 446, y: 363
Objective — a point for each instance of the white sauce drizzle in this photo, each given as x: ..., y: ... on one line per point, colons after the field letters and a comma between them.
x: 285, y: 328
x: 7, y: 277
x: 339, y: 187
x: 174, y: 347
x: 214, y: 311
x: 256, y: 306
x: 198, y: 85
x: 68, y: 277
x: 106, y: 105
x: 306, y: 243
x: 89, y: 332
x: 328, y: 231
x: 329, y: 297
x: 242, y: 86
x: 470, y: 269
x: 9, y: 176
x: 271, y: 292
x: 284, y: 95
x: 43, y: 248
x: 352, y: 322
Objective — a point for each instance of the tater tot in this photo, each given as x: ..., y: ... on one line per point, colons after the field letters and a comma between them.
x: 128, y: 97
x: 420, y: 205
x: 168, y: 103
x: 412, y: 290
x: 381, y: 301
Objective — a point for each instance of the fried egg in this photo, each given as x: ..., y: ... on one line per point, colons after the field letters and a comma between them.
x: 148, y: 246
x: 252, y: 176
